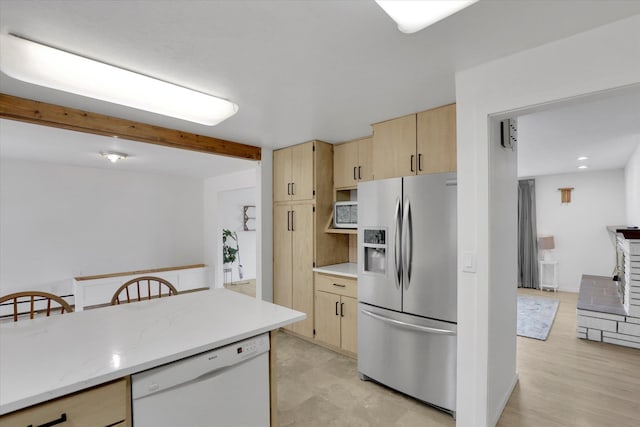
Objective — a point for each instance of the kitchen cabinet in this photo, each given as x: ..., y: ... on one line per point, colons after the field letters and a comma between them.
x: 436, y: 140
x: 394, y: 147
x: 336, y: 314
x: 105, y: 405
x: 293, y: 262
x: 293, y: 173
x: 299, y: 240
x: 416, y: 144
x: 352, y: 163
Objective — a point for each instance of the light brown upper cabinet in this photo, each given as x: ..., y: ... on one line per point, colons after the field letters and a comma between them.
x: 394, y: 147
x: 352, y: 163
x: 416, y: 144
x: 293, y: 173
x: 436, y: 140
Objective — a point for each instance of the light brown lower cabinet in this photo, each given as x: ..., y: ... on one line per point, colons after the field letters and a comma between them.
x: 336, y: 312
x: 104, y: 405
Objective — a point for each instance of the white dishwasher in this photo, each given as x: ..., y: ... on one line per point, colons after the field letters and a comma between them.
x: 227, y: 387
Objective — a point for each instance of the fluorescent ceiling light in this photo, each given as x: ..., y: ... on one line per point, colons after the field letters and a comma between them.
x: 45, y: 66
x: 412, y: 16
x: 581, y: 158
x: 583, y: 167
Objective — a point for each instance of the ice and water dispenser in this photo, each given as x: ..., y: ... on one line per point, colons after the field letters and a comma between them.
x: 375, y: 250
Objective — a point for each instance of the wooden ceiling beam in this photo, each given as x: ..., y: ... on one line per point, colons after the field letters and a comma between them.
x: 27, y: 110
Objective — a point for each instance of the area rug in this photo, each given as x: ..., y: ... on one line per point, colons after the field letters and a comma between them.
x: 535, y: 316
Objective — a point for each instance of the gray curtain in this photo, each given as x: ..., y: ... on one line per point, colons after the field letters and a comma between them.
x: 527, y: 235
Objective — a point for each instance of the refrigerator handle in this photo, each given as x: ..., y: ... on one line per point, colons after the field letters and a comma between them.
x: 397, y: 250
x: 408, y: 325
x: 407, y: 240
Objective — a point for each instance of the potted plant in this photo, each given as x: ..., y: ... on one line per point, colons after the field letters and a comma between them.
x: 229, y: 253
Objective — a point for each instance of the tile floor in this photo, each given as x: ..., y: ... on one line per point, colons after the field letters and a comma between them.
x: 318, y: 387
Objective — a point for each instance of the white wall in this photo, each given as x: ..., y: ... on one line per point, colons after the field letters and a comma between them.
x: 264, y: 220
x: 214, y: 188
x: 583, y: 245
x: 231, y: 204
x: 58, y: 222
x: 598, y: 60
x: 632, y: 181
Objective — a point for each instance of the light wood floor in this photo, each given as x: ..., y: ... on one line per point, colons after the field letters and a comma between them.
x: 566, y: 381
x: 563, y: 381
x: 247, y: 287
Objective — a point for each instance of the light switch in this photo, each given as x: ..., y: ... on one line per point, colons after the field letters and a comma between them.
x: 469, y: 262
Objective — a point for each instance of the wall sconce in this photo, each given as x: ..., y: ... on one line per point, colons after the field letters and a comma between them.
x: 565, y: 194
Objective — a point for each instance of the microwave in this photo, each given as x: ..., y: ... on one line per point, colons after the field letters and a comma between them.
x: 345, y: 214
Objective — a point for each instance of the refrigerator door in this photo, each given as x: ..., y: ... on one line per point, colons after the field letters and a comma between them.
x: 379, y: 251
x: 429, y: 241
x: 411, y: 354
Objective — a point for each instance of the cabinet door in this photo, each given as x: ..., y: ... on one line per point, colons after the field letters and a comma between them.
x: 437, y: 140
x: 282, y: 267
x: 100, y: 406
x: 394, y: 147
x: 365, y: 159
x: 349, y: 324
x: 302, y: 258
x: 345, y: 163
x: 328, y: 318
x: 302, y: 171
x: 281, y: 175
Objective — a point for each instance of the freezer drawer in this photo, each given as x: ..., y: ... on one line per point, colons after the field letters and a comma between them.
x: 414, y: 355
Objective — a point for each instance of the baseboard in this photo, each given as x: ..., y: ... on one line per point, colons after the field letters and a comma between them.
x: 503, y: 404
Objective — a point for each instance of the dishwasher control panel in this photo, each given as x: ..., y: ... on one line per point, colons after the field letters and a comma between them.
x: 252, y: 346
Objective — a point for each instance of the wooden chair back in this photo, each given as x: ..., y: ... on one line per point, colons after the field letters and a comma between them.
x: 133, y: 290
x: 33, y: 297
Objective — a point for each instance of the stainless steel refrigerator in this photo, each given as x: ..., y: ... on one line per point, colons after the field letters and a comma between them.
x: 407, y: 286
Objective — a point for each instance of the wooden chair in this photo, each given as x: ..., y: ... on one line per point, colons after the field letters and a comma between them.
x: 139, y: 284
x: 19, y: 297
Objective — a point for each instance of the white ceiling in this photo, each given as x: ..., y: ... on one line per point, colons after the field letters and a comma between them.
x: 40, y: 143
x: 605, y: 129
x: 299, y: 70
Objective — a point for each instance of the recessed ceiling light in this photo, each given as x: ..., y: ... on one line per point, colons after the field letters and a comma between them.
x: 583, y: 167
x: 113, y: 156
x: 583, y: 158
x: 414, y: 15
x: 45, y: 66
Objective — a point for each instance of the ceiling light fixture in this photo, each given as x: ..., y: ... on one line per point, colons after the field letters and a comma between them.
x: 581, y: 158
x: 414, y: 15
x: 583, y: 167
x: 45, y: 66
x: 113, y: 156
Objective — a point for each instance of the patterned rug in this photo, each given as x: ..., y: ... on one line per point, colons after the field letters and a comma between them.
x: 536, y: 316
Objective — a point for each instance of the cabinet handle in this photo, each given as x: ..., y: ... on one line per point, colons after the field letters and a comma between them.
x: 293, y: 224
x: 288, y: 220
x: 342, y: 309
x: 420, y: 162
x: 359, y: 172
x: 60, y: 420
x: 412, y: 157
x: 293, y: 188
x: 288, y: 188
x: 340, y: 285
x: 337, y: 314
x: 354, y: 174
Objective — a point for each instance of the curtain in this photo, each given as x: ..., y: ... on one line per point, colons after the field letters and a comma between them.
x: 527, y: 235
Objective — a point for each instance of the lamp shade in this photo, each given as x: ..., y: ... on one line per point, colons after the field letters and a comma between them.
x: 546, y: 243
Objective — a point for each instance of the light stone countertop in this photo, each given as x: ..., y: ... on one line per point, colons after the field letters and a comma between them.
x: 46, y: 358
x: 346, y: 269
